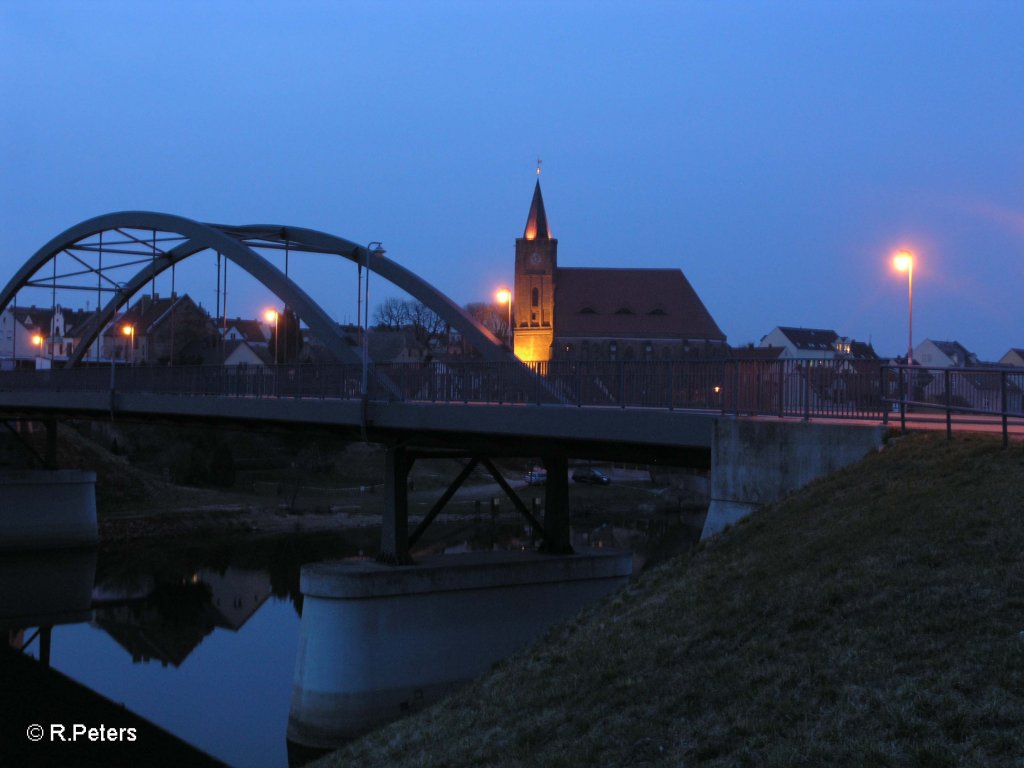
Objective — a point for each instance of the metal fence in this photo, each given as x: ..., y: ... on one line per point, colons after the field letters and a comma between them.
x: 801, y: 388
x: 987, y: 394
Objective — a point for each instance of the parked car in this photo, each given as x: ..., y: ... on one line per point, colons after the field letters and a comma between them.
x: 590, y: 475
x: 536, y: 476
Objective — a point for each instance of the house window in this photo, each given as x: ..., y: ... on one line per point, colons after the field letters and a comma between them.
x: 535, y: 298
x: 623, y: 311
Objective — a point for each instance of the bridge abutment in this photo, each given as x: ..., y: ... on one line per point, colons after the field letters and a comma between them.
x: 47, y: 509
x: 757, y: 462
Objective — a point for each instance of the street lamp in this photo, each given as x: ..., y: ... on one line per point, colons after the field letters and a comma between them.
x: 37, y: 340
x: 129, y: 330
x: 504, y: 296
x: 904, y: 262
x: 271, y: 316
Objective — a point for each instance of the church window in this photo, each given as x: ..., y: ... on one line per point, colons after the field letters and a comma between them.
x: 535, y: 297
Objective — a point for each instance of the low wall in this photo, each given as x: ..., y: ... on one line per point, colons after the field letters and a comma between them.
x: 757, y: 462
x: 47, y: 509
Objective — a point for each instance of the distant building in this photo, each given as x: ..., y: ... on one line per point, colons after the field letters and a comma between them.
x: 252, y: 332
x: 816, y: 344
x: 944, y: 354
x: 591, y: 313
x: 1014, y: 357
x: 163, y: 329
x: 34, y: 336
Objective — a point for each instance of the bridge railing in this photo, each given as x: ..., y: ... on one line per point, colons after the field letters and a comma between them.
x: 801, y: 388
x: 920, y: 393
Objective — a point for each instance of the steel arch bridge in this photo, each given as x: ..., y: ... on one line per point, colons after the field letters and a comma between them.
x: 144, y: 244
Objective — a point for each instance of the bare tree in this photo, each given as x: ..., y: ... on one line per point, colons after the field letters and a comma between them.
x: 392, y: 314
x: 493, y: 317
x: 425, y: 322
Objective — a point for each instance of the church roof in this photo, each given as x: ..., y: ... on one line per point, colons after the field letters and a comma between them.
x: 537, y: 222
x: 630, y: 303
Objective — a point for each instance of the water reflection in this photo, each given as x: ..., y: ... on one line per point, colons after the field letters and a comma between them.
x: 161, y: 627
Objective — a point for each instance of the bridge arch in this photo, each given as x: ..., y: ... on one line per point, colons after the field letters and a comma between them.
x: 238, y: 244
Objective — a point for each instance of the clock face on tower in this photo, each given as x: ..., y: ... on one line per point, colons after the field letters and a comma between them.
x: 535, y: 259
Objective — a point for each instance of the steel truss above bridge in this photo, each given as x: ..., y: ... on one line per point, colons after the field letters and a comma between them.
x: 117, y: 254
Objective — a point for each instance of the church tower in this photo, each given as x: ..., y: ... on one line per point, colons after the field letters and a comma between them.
x: 534, y: 294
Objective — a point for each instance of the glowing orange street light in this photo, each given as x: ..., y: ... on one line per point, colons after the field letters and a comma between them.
x: 37, y: 340
x: 504, y: 296
x: 271, y: 316
x: 129, y: 330
x: 904, y: 262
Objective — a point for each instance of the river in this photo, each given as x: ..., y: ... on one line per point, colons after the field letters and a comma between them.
x: 199, y: 638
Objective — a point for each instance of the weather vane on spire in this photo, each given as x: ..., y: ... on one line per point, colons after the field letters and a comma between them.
x: 539, y: 161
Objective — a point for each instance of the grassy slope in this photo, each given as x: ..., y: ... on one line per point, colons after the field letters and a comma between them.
x: 875, y: 618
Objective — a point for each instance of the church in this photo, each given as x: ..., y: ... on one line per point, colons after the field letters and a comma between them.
x: 591, y: 313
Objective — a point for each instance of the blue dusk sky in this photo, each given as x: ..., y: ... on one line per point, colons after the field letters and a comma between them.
x: 778, y: 153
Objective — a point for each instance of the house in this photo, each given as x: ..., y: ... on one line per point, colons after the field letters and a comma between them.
x: 252, y: 332
x: 588, y: 313
x: 36, y: 336
x: 944, y: 354
x: 160, y: 330
x: 1014, y: 357
x: 816, y: 344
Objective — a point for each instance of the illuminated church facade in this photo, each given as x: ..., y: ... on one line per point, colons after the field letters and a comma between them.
x: 587, y: 313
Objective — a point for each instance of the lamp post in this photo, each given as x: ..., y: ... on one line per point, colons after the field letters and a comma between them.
x: 129, y: 331
x: 37, y: 341
x: 375, y: 249
x: 271, y: 316
x: 904, y: 262
x: 504, y: 296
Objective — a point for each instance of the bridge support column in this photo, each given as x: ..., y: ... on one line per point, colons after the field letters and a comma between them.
x: 394, y: 530
x: 556, y: 506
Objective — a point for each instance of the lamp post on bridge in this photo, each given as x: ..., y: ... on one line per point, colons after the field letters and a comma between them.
x: 129, y: 330
x: 904, y: 262
x: 504, y: 296
x: 271, y: 316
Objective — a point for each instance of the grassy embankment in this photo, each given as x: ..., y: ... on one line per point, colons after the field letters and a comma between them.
x: 874, y: 618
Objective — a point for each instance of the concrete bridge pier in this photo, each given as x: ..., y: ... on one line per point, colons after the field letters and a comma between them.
x: 376, y: 641
x: 47, y: 508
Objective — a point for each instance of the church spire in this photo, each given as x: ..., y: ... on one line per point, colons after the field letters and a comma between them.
x: 537, y: 222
